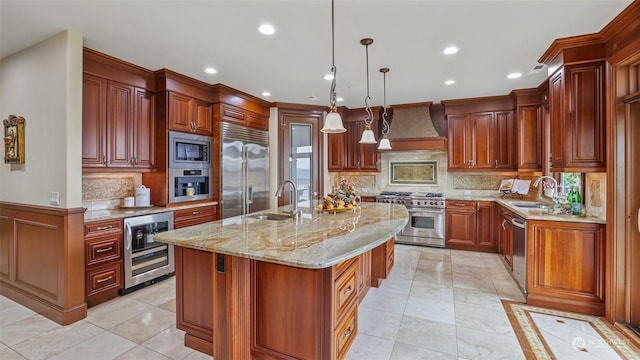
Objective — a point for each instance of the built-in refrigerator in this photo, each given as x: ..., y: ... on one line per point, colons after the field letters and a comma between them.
x: 245, y: 170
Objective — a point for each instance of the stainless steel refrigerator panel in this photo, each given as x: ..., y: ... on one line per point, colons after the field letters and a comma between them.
x: 232, y: 178
x: 257, y: 171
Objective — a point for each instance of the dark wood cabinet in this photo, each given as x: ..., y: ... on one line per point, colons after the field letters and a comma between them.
x: 485, y: 225
x: 103, y: 261
x: 529, y: 138
x: 481, y: 141
x: 188, y: 114
x: 382, y: 259
x: 194, y: 216
x: 240, y: 116
x: 506, y: 238
x: 347, y: 154
x: 566, y: 266
x: 577, y: 131
x: 118, y: 125
x: 460, y: 224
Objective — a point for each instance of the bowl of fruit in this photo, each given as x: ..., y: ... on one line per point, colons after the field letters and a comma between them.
x: 343, y: 199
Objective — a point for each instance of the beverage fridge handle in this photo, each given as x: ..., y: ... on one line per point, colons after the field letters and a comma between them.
x: 638, y: 219
x: 250, y: 194
x: 127, y: 236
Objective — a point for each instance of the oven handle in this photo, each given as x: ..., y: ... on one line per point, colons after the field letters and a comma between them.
x: 424, y: 211
x: 127, y: 236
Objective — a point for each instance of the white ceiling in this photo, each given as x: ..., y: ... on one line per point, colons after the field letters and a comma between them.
x: 495, y: 38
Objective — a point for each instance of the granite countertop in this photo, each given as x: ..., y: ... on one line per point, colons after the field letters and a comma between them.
x: 530, y: 213
x: 315, y: 240
x: 108, y: 214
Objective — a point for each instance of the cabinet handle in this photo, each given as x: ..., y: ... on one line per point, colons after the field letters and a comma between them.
x: 471, y: 162
x: 358, y: 164
x: 347, y: 291
x: 504, y: 221
x: 105, y: 279
x: 496, y: 164
x: 104, y: 160
x: 99, y: 228
x: 638, y: 219
x: 195, y: 213
x: 347, y: 333
x: 103, y: 250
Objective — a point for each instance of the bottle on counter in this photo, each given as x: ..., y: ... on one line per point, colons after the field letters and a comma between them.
x: 576, y: 206
x: 570, y: 196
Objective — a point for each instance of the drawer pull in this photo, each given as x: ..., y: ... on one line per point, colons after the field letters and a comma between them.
x: 347, y: 333
x: 104, y: 227
x: 105, y: 279
x: 103, y: 250
x: 348, y: 290
x: 195, y: 213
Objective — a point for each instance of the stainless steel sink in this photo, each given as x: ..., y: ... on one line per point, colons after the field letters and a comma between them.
x: 533, y: 205
x: 271, y: 216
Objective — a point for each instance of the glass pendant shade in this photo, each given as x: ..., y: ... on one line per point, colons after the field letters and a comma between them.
x: 333, y: 123
x: 367, y: 136
x: 384, y: 143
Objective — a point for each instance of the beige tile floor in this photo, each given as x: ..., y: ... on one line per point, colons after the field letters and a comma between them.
x: 436, y: 304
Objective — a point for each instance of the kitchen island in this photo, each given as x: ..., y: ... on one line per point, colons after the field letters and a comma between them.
x: 281, y: 288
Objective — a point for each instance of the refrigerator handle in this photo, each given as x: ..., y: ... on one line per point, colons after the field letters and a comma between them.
x: 245, y: 172
x: 249, y: 194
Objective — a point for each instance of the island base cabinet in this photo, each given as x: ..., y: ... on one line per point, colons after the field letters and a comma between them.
x: 566, y: 266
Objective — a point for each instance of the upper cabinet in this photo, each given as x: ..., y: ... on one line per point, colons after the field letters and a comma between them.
x: 240, y: 108
x: 529, y: 129
x: 481, y: 134
x: 118, y: 125
x: 345, y: 151
x: 236, y: 115
x: 577, y: 104
x: 188, y: 114
x: 577, y: 131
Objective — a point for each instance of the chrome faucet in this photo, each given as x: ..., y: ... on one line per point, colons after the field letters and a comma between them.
x: 294, y: 209
x: 553, y: 180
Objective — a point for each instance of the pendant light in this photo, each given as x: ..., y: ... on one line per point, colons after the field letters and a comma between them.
x: 384, y: 142
x: 333, y: 121
x: 367, y: 135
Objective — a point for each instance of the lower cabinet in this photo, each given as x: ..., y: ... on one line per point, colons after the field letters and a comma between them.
x: 103, y: 260
x: 194, y: 216
x: 566, y: 266
x: 469, y: 225
x: 506, y: 237
x: 382, y: 258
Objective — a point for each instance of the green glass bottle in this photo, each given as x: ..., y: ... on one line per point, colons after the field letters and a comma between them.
x: 577, y: 203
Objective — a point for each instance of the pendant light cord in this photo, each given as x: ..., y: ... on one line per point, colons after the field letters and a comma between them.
x: 332, y: 92
x: 385, y: 124
x: 369, y: 116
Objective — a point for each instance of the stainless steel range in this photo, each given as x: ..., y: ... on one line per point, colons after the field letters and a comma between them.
x: 426, y: 217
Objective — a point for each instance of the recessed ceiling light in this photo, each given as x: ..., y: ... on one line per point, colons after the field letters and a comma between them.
x: 449, y: 82
x: 266, y: 93
x: 210, y: 70
x: 313, y: 98
x: 328, y: 77
x: 450, y: 50
x: 266, y: 29
x: 514, y: 75
x: 339, y: 99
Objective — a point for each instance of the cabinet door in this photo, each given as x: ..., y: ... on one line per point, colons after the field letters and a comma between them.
x: 94, y: 124
x: 120, y: 98
x: 460, y: 228
x: 529, y: 130
x: 352, y: 147
x: 203, y: 117
x: 369, y: 152
x: 180, y: 112
x: 483, y: 141
x: 505, y: 141
x: 144, y: 130
x: 460, y: 133
x: 585, y: 87
x: 507, y: 238
x: 257, y: 121
x: 336, y: 151
x: 485, y: 236
x: 558, y: 137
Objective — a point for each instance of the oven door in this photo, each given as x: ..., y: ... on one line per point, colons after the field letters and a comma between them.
x: 426, y: 223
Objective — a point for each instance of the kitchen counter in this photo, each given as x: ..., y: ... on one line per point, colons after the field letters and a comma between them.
x: 530, y: 213
x: 315, y: 240
x: 108, y: 214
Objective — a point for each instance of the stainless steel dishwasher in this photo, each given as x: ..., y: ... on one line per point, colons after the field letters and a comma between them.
x: 520, y: 252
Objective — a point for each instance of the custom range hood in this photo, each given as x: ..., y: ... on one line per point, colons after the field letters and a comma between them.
x: 420, y: 126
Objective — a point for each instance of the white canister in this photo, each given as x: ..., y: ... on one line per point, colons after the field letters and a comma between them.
x: 129, y: 201
x: 143, y: 196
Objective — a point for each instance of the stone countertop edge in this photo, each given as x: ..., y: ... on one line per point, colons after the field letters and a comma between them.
x: 530, y: 213
x: 316, y: 240
x: 110, y: 214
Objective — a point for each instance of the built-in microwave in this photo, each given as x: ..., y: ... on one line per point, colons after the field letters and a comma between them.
x: 189, y: 151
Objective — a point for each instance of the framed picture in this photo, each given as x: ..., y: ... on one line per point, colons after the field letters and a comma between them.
x: 413, y: 173
x: 13, y: 140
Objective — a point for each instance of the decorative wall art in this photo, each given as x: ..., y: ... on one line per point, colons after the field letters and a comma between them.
x: 13, y: 140
x: 413, y: 173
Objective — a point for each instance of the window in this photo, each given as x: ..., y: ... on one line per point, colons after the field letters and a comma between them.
x: 569, y: 180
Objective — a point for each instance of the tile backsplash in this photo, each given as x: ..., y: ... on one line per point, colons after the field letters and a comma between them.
x: 102, y: 191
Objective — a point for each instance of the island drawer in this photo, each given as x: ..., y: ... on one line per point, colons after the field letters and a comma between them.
x: 102, y: 250
x: 194, y: 216
x: 346, y: 332
x: 345, y: 289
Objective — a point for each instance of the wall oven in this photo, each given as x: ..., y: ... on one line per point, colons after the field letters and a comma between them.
x: 189, y: 151
x: 426, y: 225
x: 144, y: 259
